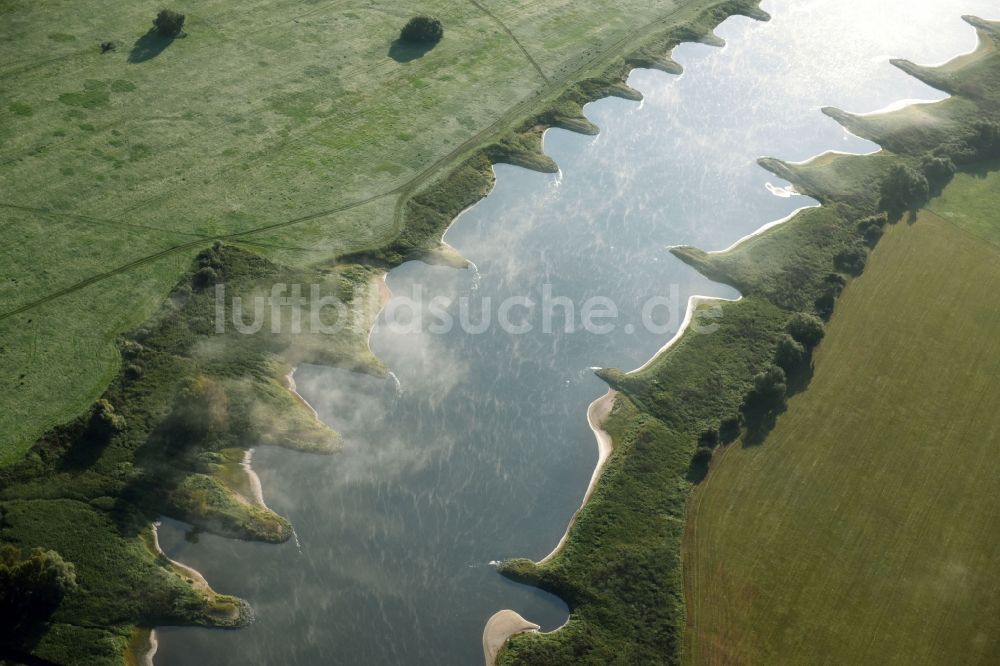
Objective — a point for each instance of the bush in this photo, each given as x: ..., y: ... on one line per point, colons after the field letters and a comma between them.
x: 169, y: 23
x: 422, y: 30
x: 105, y: 421
x: 790, y: 353
x: 729, y: 428
x: 806, y: 329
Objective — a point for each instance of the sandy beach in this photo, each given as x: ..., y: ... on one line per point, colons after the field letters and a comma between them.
x: 501, y: 626
x: 256, y: 491
x: 596, y: 413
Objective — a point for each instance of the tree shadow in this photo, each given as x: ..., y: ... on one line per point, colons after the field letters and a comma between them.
x: 697, y: 471
x: 982, y: 168
x: 18, y: 649
x: 759, y: 424
x: 798, y: 378
x: 84, y: 452
x: 149, y: 46
x: 401, y: 51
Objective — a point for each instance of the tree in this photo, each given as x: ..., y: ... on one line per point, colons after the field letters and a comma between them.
x: 938, y: 171
x: 904, y: 189
x: 205, y: 277
x: 852, y: 260
x: 201, y: 412
x: 169, y: 23
x: 31, y: 587
x: 789, y: 354
x: 422, y: 30
x: 834, y: 283
x: 105, y: 421
x: 709, y: 438
x: 871, y: 228
x: 986, y: 140
x: 825, y: 302
x: 702, y: 456
x: 806, y: 329
x: 769, y: 392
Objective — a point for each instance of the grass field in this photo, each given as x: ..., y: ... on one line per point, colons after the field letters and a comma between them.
x: 289, y: 124
x: 862, y: 531
x: 970, y: 203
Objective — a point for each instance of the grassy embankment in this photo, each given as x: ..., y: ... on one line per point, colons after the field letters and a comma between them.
x: 620, y: 571
x: 316, y: 152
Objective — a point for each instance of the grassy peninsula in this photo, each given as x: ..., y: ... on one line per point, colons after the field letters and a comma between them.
x: 715, y: 405
x: 265, y: 143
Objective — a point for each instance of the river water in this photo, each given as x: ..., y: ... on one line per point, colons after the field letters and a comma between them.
x: 482, y: 450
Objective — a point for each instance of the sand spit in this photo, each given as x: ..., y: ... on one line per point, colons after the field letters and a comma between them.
x: 256, y: 491
x: 499, y: 628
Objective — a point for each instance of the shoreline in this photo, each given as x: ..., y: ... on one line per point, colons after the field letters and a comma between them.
x: 597, y: 412
x: 898, y: 105
x: 384, y: 296
x: 197, y: 580
x: 256, y: 489
x: 761, y: 230
x: 154, y: 645
x: 290, y: 385
x: 693, y: 302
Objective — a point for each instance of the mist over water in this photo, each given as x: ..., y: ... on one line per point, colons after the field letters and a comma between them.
x: 482, y: 451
